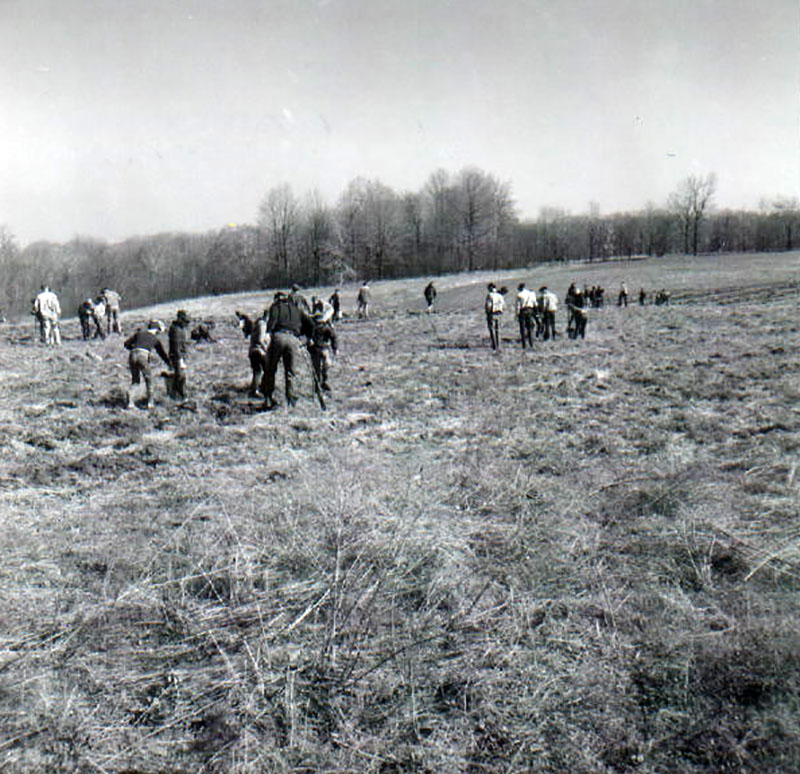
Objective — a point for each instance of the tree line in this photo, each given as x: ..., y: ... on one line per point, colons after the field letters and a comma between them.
x: 457, y: 222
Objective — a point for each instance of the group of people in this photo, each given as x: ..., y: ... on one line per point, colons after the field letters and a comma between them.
x: 46, y: 309
x: 141, y: 346
x: 275, y: 338
x: 92, y: 312
x: 661, y: 297
x: 535, y: 313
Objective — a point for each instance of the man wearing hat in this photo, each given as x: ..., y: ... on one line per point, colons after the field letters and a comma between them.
x: 548, y: 306
x: 178, y: 342
x: 322, y: 344
x: 141, y: 346
x: 299, y: 299
x: 286, y: 322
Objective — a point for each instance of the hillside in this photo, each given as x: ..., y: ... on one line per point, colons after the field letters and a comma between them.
x: 581, y: 558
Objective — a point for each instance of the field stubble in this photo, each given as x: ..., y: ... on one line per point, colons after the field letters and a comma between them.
x: 579, y: 558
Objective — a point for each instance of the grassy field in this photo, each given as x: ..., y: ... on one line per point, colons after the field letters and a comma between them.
x: 581, y: 558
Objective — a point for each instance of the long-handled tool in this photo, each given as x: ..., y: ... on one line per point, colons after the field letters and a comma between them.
x: 317, y: 385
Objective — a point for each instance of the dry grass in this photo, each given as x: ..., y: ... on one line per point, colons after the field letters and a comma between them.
x: 582, y: 558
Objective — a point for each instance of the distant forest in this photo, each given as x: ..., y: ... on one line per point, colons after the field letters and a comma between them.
x: 457, y: 222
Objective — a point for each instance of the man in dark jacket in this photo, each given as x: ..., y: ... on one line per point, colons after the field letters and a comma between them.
x: 178, y: 342
x: 286, y: 322
x: 336, y: 302
x: 141, y: 346
x: 430, y: 296
x: 579, y: 315
x: 86, y: 316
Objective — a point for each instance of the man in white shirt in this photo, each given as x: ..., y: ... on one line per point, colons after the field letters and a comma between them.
x: 526, y: 313
x: 48, y: 310
x: 363, y: 300
x: 494, y: 306
x: 112, y: 301
x: 548, y: 306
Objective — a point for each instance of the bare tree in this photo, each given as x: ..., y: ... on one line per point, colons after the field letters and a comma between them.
x: 316, y: 235
x: 785, y: 213
x: 553, y: 234
x: 655, y: 230
x: 474, y: 194
x: 503, y: 221
x: 440, y: 214
x: 595, y: 228
x: 624, y: 235
x: 689, y: 203
x: 9, y: 257
x: 277, y: 215
x: 382, y: 220
x: 485, y: 214
x: 412, y: 231
x: 351, y: 224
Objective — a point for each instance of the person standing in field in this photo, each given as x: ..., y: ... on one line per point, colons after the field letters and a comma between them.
x: 112, y: 301
x: 38, y: 319
x: 570, y: 315
x: 259, y: 344
x: 299, y: 298
x: 322, y: 345
x: 98, y: 315
x: 141, y: 346
x: 322, y: 309
x: 430, y: 296
x: 494, y: 306
x: 622, y: 299
x: 336, y: 302
x: 86, y: 317
x: 363, y: 300
x: 286, y: 322
x: 244, y: 323
x: 642, y: 296
x: 548, y: 306
x: 579, y: 315
x: 48, y: 310
x: 526, y: 312
x: 178, y: 344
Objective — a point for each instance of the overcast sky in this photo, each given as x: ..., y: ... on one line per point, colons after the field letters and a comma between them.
x: 125, y: 117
